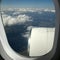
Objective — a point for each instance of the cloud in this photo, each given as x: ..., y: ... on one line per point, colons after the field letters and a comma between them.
x: 23, y: 18
x: 49, y: 10
x: 18, y: 16
x: 27, y: 34
x: 10, y: 20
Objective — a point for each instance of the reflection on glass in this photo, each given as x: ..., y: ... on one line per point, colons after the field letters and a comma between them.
x: 19, y: 18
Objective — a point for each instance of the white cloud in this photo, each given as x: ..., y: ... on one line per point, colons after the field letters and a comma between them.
x: 10, y: 20
x: 23, y: 18
x: 27, y: 34
x: 49, y: 10
x: 20, y: 19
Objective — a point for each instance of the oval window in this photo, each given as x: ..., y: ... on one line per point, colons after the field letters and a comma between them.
x: 28, y: 24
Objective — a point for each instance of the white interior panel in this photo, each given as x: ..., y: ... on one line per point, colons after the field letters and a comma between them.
x: 50, y: 40
x: 41, y: 41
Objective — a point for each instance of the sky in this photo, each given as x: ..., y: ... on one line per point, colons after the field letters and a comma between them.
x: 28, y: 3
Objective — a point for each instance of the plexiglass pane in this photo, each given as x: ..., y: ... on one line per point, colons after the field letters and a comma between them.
x: 22, y: 19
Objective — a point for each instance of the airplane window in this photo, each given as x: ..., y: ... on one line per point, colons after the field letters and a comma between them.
x: 26, y: 22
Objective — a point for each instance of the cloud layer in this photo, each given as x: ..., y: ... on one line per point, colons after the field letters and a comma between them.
x: 23, y: 15
x: 20, y: 19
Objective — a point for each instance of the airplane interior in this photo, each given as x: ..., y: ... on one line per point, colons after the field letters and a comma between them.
x: 22, y: 37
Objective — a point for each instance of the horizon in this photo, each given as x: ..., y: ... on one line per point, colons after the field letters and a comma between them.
x: 27, y: 8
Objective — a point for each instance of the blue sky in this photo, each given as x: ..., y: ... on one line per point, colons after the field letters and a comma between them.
x: 28, y: 3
